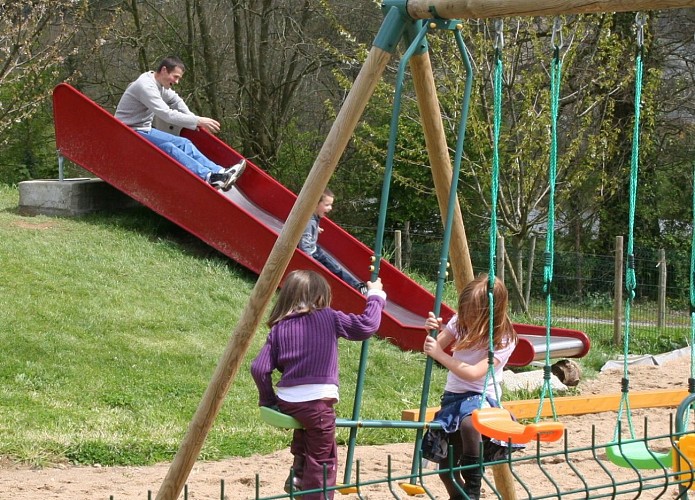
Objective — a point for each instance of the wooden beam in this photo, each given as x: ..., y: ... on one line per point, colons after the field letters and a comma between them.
x: 483, y: 9
x: 442, y: 173
x: 578, y: 405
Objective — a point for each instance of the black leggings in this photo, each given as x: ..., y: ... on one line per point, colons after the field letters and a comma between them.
x: 464, y: 446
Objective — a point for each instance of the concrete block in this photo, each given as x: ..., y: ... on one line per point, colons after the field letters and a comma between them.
x: 70, y: 197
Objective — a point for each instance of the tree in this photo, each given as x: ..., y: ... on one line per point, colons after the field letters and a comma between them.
x: 34, y: 40
x: 592, y: 147
x: 261, y: 67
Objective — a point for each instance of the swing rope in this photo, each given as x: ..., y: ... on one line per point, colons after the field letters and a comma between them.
x: 634, y: 454
x: 691, y: 379
x: 494, y: 188
x: 498, y: 423
x: 555, y: 79
x: 630, y: 277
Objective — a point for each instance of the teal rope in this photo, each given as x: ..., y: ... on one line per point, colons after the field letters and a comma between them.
x: 555, y: 79
x: 494, y: 188
x: 691, y: 380
x: 630, y: 278
x: 692, y: 296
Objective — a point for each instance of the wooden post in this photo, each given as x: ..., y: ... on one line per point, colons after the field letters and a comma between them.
x: 661, y: 318
x: 442, y: 174
x: 529, y: 273
x: 485, y: 9
x: 499, y: 258
x: 272, y: 272
x: 398, y: 250
x: 618, y: 292
x: 504, y: 481
x: 408, y: 245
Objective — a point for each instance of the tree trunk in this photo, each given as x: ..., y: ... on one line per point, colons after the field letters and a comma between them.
x: 211, y: 71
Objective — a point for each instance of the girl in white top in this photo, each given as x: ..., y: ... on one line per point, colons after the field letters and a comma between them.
x: 468, y: 335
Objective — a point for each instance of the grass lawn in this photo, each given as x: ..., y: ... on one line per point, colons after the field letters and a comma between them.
x: 112, y: 326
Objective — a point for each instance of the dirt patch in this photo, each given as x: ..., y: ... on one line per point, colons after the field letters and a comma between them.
x: 239, y: 474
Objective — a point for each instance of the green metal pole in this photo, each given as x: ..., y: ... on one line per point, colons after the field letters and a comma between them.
x: 444, y: 255
x: 395, y: 24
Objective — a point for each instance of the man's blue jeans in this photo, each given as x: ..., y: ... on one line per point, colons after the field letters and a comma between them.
x: 183, y: 151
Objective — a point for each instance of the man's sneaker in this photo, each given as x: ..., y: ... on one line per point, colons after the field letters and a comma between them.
x: 221, y: 181
x: 236, y: 170
x: 362, y: 288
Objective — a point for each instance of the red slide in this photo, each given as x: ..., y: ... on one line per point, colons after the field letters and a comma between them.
x: 244, y: 223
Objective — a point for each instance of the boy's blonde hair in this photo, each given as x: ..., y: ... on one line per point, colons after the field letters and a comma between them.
x: 474, y: 315
x: 326, y: 192
x: 304, y: 291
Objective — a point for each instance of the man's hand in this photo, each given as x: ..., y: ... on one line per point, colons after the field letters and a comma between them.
x: 212, y: 126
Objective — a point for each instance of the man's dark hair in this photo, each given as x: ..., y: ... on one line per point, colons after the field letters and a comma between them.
x: 170, y: 63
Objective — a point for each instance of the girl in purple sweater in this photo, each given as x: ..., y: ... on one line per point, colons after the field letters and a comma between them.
x: 303, y: 346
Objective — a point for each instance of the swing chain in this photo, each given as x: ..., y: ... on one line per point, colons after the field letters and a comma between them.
x: 499, y: 35
x: 557, y: 32
x: 640, y: 21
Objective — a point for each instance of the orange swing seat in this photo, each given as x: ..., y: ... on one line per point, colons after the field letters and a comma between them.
x: 497, y: 423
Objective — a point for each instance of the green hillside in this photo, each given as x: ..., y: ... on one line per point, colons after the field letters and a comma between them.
x: 111, y: 328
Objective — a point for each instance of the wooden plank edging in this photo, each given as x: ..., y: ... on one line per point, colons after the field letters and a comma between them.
x: 578, y: 405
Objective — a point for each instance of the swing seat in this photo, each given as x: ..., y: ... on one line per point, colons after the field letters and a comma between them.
x: 637, y: 455
x: 497, y: 423
x: 347, y: 490
x: 412, y: 489
x: 683, y: 461
x: 279, y: 419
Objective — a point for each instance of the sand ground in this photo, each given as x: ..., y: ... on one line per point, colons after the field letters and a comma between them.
x: 239, y: 474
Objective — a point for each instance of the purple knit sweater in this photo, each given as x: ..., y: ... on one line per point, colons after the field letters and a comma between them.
x: 304, y: 347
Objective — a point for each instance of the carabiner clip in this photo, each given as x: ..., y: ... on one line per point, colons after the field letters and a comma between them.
x: 557, y: 32
x: 640, y: 21
x: 499, y: 35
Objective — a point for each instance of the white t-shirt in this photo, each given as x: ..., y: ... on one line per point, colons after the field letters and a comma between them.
x: 472, y: 357
x: 308, y: 392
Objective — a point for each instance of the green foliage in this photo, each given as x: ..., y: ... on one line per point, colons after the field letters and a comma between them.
x: 29, y: 151
x: 34, y: 39
x: 598, y: 300
x: 411, y: 196
x: 295, y: 157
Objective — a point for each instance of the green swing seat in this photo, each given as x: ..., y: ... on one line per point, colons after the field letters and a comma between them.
x: 637, y: 455
x: 279, y: 419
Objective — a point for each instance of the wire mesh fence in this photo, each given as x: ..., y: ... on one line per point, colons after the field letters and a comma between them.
x: 583, y: 288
